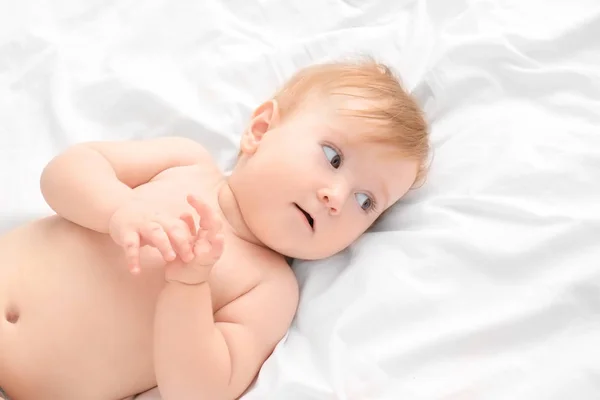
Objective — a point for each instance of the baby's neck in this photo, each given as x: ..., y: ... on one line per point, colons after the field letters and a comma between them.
x: 233, y: 215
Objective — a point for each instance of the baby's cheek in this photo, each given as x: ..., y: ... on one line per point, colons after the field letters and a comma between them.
x: 338, y: 238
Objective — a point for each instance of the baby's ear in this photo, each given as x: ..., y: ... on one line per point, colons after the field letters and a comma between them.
x: 264, y: 118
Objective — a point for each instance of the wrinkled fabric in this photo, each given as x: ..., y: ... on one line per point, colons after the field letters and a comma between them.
x: 482, y: 284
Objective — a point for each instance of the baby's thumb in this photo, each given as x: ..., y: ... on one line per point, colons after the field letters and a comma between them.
x: 131, y: 246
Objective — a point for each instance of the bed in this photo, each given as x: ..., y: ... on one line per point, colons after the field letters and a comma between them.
x: 482, y: 284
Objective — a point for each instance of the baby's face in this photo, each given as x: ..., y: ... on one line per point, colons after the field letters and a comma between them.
x: 316, y: 186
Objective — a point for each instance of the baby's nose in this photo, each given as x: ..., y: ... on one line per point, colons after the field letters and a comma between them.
x: 333, y: 198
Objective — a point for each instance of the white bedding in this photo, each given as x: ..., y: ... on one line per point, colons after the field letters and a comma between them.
x: 484, y: 284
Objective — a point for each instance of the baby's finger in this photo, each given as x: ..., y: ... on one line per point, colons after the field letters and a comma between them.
x: 217, y: 246
x: 209, y: 251
x: 201, y: 245
x: 189, y: 221
x: 181, y: 240
x: 203, y: 210
x: 208, y: 218
x: 131, y: 243
x: 214, y: 225
x: 154, y: 234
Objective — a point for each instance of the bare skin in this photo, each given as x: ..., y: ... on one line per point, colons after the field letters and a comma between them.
x: 204, y: 301
x: 78, y: 324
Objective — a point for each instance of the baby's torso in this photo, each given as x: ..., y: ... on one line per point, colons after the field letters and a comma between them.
x: 85, y: 324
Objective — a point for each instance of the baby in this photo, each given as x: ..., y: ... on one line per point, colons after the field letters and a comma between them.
x: 158, y: 270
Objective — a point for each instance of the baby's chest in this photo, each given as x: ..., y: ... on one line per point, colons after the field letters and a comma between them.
x: 168, y: 191
x: 237, y: 272
x: 231, y: 277
x: 239, y: 268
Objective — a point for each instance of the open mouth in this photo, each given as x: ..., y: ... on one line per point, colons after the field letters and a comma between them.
x: 310, y: 219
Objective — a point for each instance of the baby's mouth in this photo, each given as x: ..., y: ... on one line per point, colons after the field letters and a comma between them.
x: 310, y: 219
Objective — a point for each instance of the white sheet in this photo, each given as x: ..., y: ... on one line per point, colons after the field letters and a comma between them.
x: 482, y: 285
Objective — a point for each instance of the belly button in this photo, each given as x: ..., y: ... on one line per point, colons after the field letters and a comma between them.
x: 12, y: 315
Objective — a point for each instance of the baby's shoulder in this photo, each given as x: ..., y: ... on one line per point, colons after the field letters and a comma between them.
x: 245, y: 266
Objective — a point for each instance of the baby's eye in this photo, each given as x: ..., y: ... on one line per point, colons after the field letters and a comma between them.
x: 364, y: 201
x: 333, y: 156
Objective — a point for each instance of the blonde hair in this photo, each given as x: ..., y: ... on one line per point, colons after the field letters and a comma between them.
x: 384, y: 102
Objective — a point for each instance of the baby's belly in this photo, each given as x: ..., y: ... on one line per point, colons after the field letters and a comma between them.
x: 75, y: 324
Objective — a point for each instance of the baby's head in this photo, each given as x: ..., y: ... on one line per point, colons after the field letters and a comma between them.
x: 335, y: 147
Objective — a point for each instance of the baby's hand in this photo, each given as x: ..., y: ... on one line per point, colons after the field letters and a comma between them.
x: 207, y: 247
x: 137, y: 224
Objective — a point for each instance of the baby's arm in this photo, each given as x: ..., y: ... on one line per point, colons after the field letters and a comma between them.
x: 88, y: 182
x: 198, y: 356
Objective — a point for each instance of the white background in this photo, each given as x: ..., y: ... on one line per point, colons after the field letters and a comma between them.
x: 484, y: 284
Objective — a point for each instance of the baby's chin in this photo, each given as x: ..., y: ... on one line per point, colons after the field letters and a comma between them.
x: 307, y: 255
x: 306, y: 252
